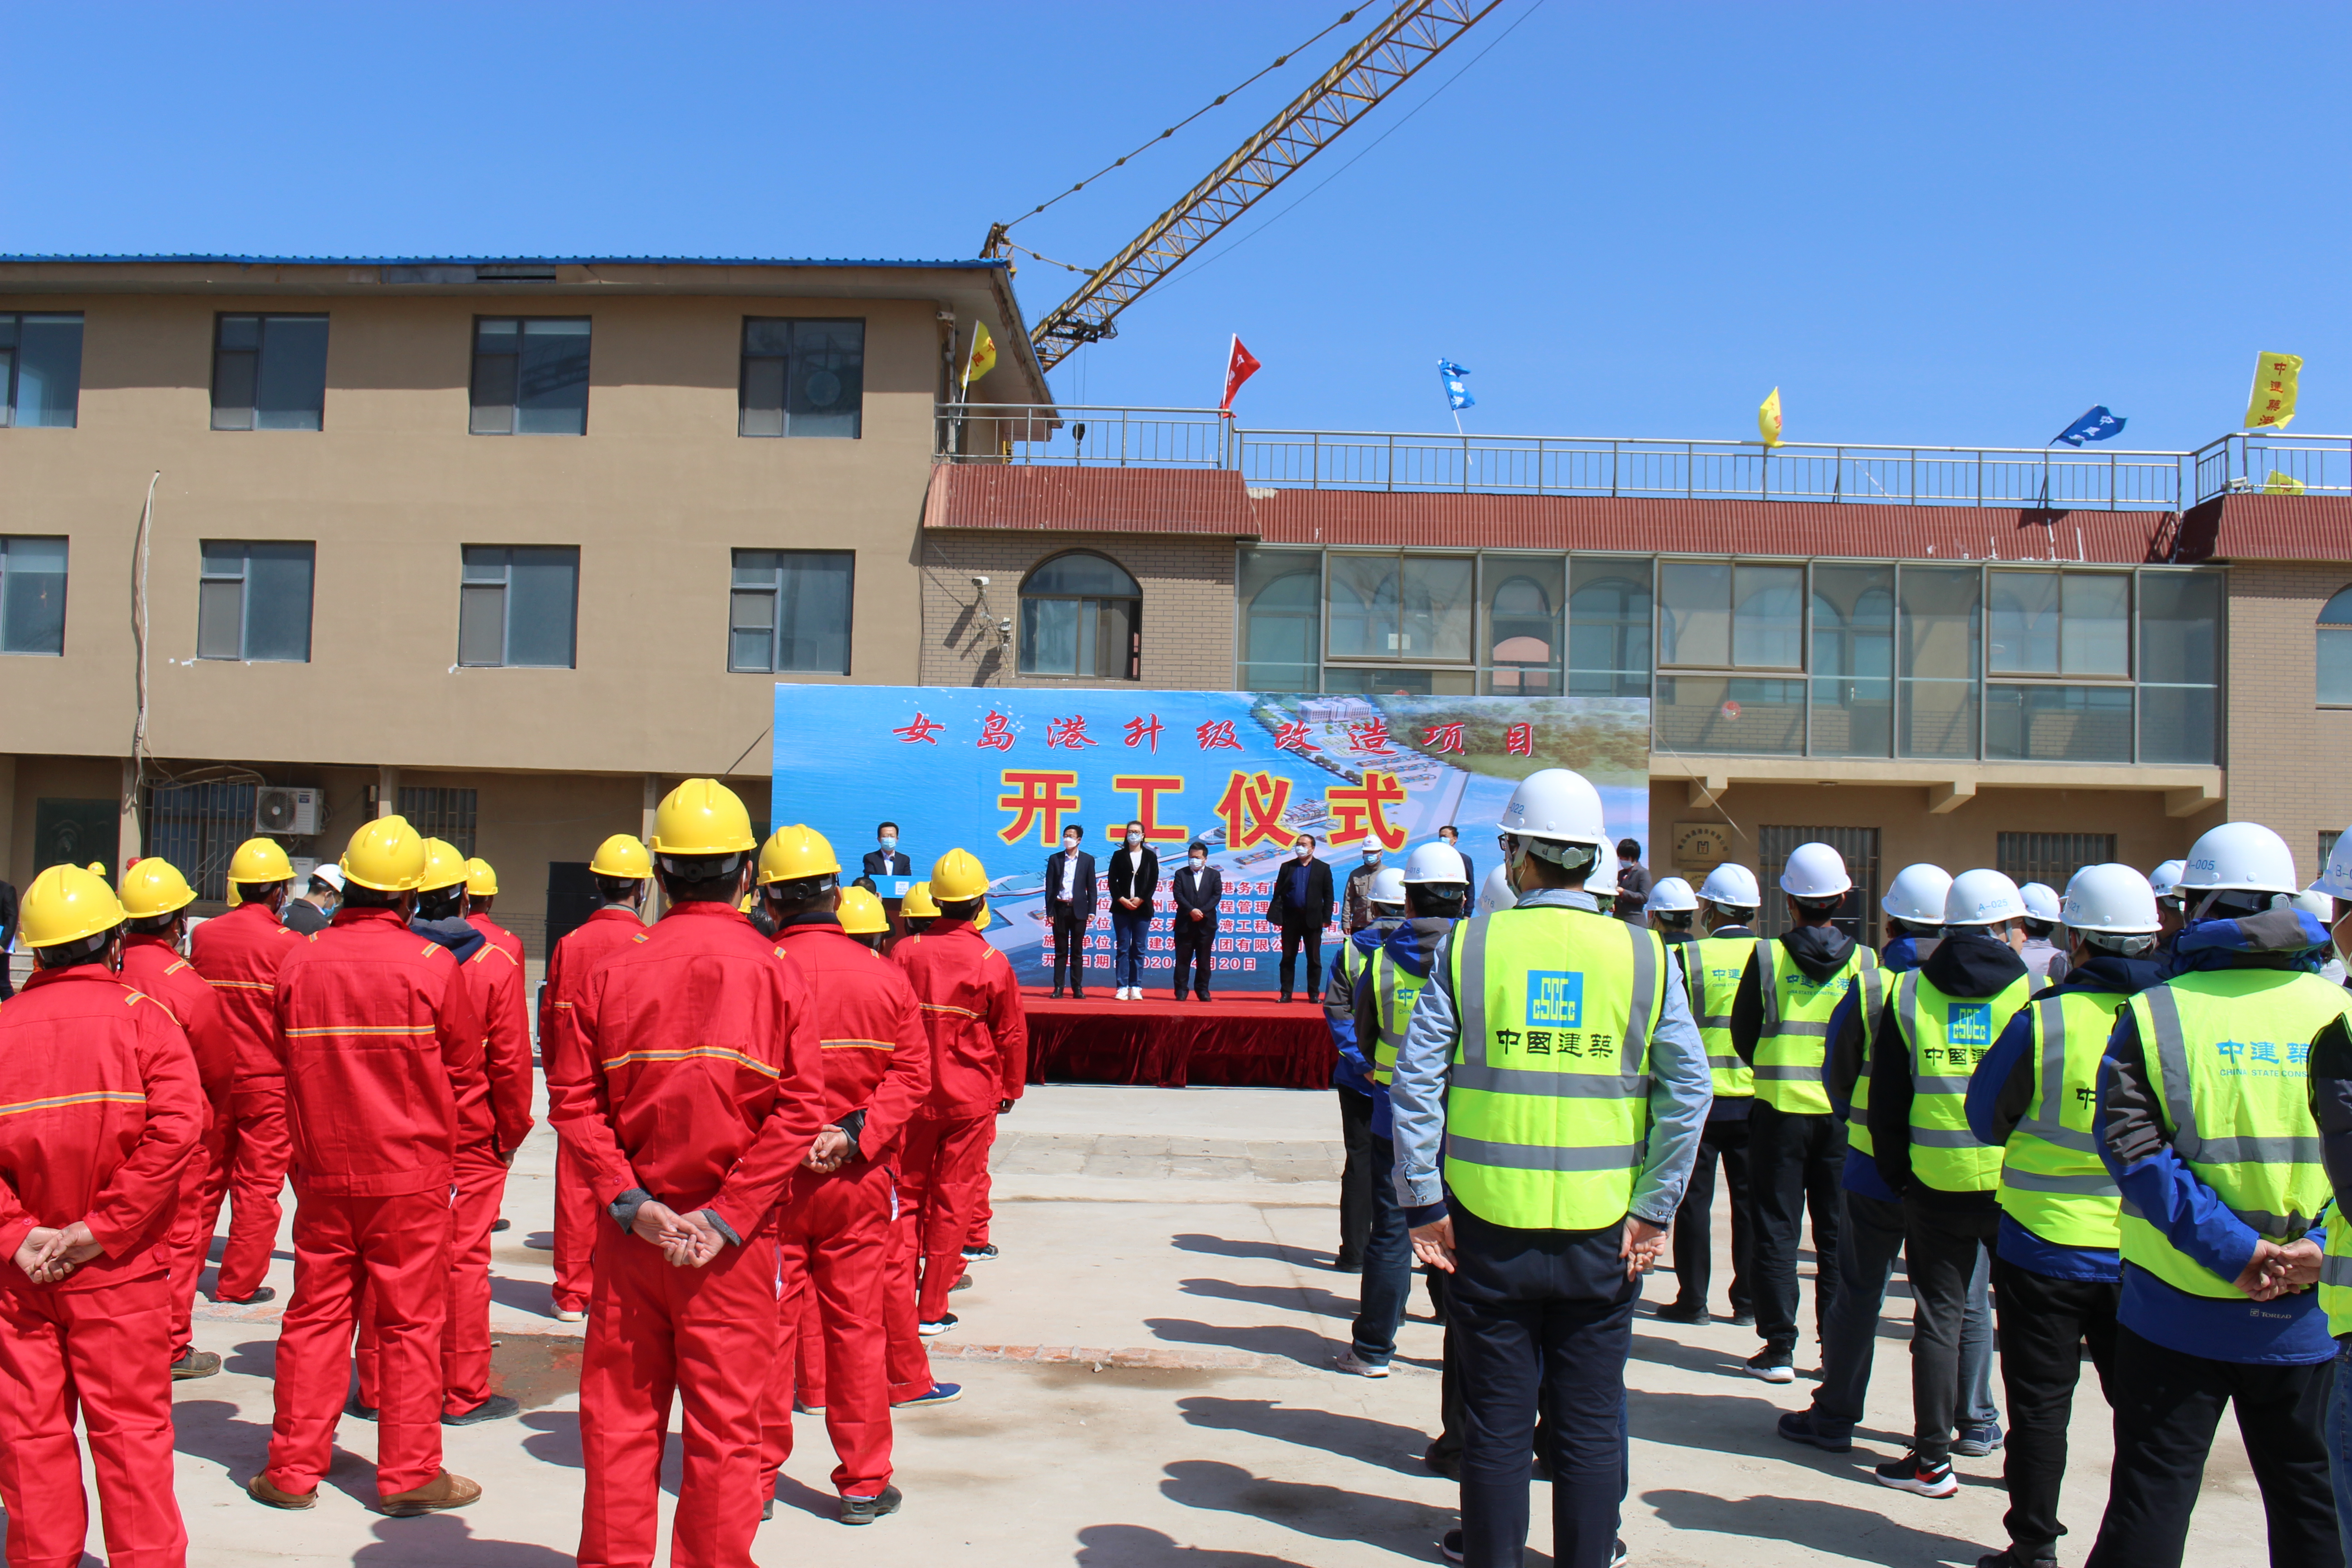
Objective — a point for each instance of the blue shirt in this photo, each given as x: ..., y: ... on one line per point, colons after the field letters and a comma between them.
x: 1411, y: 946
x: 1354, y: 1070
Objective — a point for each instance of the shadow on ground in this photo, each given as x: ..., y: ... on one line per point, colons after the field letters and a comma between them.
x: 1381, y: 1442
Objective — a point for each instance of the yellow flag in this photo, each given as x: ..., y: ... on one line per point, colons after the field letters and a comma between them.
x: 983, y: 358
x: 1768, y: 418
x: 2271, y: 404
x: 2282, y: 484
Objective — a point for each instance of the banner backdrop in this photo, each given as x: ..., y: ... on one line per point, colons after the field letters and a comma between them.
x: 1002, y: 772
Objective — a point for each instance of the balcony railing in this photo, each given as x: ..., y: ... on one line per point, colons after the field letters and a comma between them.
x: 1067, y: 435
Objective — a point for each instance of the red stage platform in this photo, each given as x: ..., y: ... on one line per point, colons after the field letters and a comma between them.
x: 1246, y: 1039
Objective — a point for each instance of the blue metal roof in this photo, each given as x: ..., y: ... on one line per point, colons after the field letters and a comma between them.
x: 507, y: 261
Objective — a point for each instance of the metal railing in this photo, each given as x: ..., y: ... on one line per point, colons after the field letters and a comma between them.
x: 2272, y: 462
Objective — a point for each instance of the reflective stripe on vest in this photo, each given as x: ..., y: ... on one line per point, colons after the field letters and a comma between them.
x: 1874, y: 1001
x: 1944, y: 1032
x: 1393, y: 994
x: 2336, y: 1274
x: 2052, y: 1180
x: 1548, y: 1101
x: 1793, y: 1038
x: 1711, y: 968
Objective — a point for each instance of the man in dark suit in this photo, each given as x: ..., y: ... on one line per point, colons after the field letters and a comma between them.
x: 1134, y: 877
x: 887, y: 861
x: 1300, y: 908
x: 1198, y: 886
x: 1069, y: 905
x: 1448, y: 835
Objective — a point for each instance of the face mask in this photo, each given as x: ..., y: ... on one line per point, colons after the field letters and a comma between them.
x: 1070, y: 845
x: 1371, y: 857
x: 1133, y: 839
x: 1199, y: 861
x: 1304, y: 850
x: 889, y: 841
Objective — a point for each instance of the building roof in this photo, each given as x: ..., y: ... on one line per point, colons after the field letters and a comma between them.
x: 480, y: 260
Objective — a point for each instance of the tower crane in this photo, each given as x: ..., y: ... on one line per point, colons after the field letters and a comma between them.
x: 1379, y: 63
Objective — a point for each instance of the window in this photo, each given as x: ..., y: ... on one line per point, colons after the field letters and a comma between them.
x: 2180, y: 666
x: 444, y: 814
x: 801, y: 378
x: 530, y: 376
x: 1858, y: 847
x: 1082, y: 615
x: 40, y: 369
x: 2335, y: 683
x: 1939, y: 622
x: 254, y: 601
x: 2059, y: 623
x: 1722, y: 616
x: 32, y: 595
x: 1608, y: 627
x: 197, y: 828
x: 789, y: 611
x: 1281, y: 615
x: 1401, y: 606
x: 1524, y: 597
x: 2050, y: 858
x: 1853, y: 661
x: 517, y: 603
x: 270, y: 372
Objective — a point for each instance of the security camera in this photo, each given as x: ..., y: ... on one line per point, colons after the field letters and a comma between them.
x: 979, y: 582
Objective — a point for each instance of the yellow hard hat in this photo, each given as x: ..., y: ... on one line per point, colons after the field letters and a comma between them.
x: 65, y: 904
x: 917, y: 905
x: 260, y: 860
x: 480, y: 880
x: 861, y: 912
x: 97, y: 869
x: 235, y: 897
x: 624, y: 856
x: 959, y: 875
x: 154, y: 887
x: 794, y: 853
x: 387, y: 855
x: 702, y: 817
x: 980, y: 918
x: 444, y: 867
x: 744, y: 905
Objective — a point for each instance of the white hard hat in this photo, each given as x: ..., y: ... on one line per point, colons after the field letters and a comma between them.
x: 2165, y: 878
x: 1731, y: 885
x: 2239, y: 858
x: 1496, y: 893
x: 1556, y: 803
x: 1917, y: 894
x: 2318, y: 904
x: 1435, y: 863
x: 2336, y: 880
x: 330, y: 875
x: 1388, y: 887
x: 1980, y: 897
x: 1603, y: 881
x: 2041, y: 901
x: 1670, y: 896
x: 2110, y: 898
x: 1814, y: 871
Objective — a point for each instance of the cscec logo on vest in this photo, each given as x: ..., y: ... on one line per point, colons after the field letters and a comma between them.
x: 1972, y: 1024
x: 1555, y: 999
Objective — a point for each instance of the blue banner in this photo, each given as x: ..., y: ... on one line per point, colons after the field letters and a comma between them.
x: 1001, y: 773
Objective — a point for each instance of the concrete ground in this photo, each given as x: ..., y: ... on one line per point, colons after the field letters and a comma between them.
x: 1148, y: 1385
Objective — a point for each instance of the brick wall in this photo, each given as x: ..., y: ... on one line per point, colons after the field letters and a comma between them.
x: 2286, y: 760
x: 1188, y: 604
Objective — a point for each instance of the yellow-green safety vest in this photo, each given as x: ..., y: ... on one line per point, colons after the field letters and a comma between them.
x: 1948, y: 1036
x: 1794, y: 1038
x: 2052, y: 1180
x: 1548, y: 1102
x: 1873, y: 983
x: 1394, y: 991
x: 2228, y: 1053
x: 1711, y: 968
x: 2336, y: 1274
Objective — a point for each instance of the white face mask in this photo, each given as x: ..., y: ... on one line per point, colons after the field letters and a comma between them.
x: 1069, y: 845
x: 1199, y: 861
x: 1304, y: 850
x: 1133, y: 839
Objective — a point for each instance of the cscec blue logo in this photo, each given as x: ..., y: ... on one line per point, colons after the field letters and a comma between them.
x: 1555, y: 999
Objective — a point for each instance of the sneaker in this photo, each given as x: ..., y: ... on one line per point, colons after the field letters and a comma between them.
x: 941, y: 1394
x: 1804, y: 1427
x: 963, y: 1282
x: 1975, y: 1440
x: 262, y: 1293
x: 194, y: 1364
x: 1349, y: 1362
x: 1742, y: 1320
x: 1676, y: 1313
x: 1449, y: 1548
x: 496, y: 1407
x: 444, y: 1490
x: 867, y: 1510
x: 1772, y: 1366
x: 352, y: 1406
x: 942, y: 1326
x: 1618, y: 1554
x: 1908, y: 1474
x: 570, y: 1314
x: 2016, y: 1556
x: 502, y: 1223
x: 980, y: 1254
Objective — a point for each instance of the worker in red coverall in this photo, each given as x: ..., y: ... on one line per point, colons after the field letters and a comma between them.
x: 481, y: 893
x: 694, y: 1086
x: 155, y: 900
x: 980, y: 1060
x: 238, y: 955
x: 99, y: 1111
x: 379, y: 1034
x: 621, y: 872
x: 493, y: 1119
x: 834, y: 1226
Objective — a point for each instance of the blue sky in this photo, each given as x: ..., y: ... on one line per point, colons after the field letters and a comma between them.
x: 1930, y: 222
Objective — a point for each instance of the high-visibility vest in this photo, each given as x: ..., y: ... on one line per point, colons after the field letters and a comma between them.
x: 2336, y: 1274
x: 1711, y: 967
x: 1871, y: 984
x: 1795, y: 1036
x: 2052, y: 1180
x: 1548, y: 1104
x: 1394, y: 991
x: 2228, y: 1053
x: 1948, y: 1036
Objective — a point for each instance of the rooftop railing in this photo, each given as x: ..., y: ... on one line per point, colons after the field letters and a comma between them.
x: 2057, y: 478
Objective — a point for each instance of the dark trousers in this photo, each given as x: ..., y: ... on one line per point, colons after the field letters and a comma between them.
x: 1942, y: 1250
x: 1127, y: 936
x: 2168, y: 1403
x: 1694, y: 1239
x: 1312, y: 940
x: 1356, y: 1176
x: 1069, y: 949
x: 2044, y: 1324
x: 1387, y: 1282
x: 1793, y: 1165
x: 1192, y: 943
x: 1540, y: 1320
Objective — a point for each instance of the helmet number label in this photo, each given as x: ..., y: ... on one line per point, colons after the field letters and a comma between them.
x: 1555, y: 999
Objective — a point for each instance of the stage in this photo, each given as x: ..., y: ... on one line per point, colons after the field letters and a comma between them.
x: 1240, y: 1039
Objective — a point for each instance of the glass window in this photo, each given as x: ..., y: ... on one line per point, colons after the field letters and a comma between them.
x: 530, y: 376
x: 2058, y: 623
x: 1374, y: 680
x: 40, y: 369
x: 1721, y: 616
x: 1608, y: 627
x: 801, y: 378
x: 2094, y: 634
x: 1408, y: 606
x: 1940, y: 626
x: 2180, y: 666
x: 253, y: 601
x: 270, y: 372
x: 2335, y: 683
x: 1527, y: 596
x: 32, y: 595
x: 1853, y: 661
x: 1363, y: 607
x: 1439, y: 595
x: 517, y: 605
x: 1280, y: 592
x: 1081, y: 615
x: 789, y: 610
x: 2058, y: 723
x: 1695, y: 613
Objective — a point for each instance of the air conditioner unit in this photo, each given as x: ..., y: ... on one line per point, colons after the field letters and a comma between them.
x: 293, y: 812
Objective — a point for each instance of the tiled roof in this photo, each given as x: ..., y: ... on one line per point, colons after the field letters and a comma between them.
x: 2268, y: 527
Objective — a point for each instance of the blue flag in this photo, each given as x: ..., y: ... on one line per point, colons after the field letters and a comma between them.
x: 2098, y: 425
x: 1457, y: 396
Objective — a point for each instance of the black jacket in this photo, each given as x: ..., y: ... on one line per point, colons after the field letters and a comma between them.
x: 1311, y: 916
x: 1080, y: 893
x: 1969, y: 963
x: 1818, y: 950
x: 894, y: 864
x: 1200, y: 890
x: 1140, y: 882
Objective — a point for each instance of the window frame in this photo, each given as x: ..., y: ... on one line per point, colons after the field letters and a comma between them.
x: 1396, y: 657
x: 252, y: 407
x: 15, y: 350
x: 2320, y: 628
x: 244, y: 579
x: 513, y: 404
x: 745, y: 358
x: 1731, y: 666
x: 1022, y: 596
x: 774, y: 591
x: 506, y: 607
x: 2062, y: 676
x: 66, y: 576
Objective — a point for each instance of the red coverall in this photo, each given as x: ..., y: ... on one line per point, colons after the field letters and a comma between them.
x: 238, y: 955
x: 979, y: 1058
x: 151, y: 964
x: 835, y: 1230
x: 695, y: 1076
x: 578, y: 1213
x: 498, y: 936
x: 99, y: 1111
x: 379, y: 1035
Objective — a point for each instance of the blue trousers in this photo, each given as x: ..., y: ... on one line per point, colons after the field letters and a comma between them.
x: 1127, y: 930
x: 1388, y: 1264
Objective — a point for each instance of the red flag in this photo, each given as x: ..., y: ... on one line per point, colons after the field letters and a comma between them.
x: 1239, y: 368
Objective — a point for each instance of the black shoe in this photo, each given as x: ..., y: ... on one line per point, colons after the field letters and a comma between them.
x: 1446, y: 1464
x: 352, y: 1406
x: 1772, y: 1366
x: 1057, y: 994
x: 1286, y: 996
x: 1743, y: 1319
x: 980, y: 1254
x: 502, y: 1223
x: 767, y: 1509
x: 1449, y: 1548
x: 1911, y: 1474
x: 496, y: 1407
x: 1676, y: 1313
x: 262, y: 1293
x: 1803, y: 1427
x: 1200, y: 996
x: 1077, y: 994
x: 867, y: 1510
x: 2016, y: 1556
